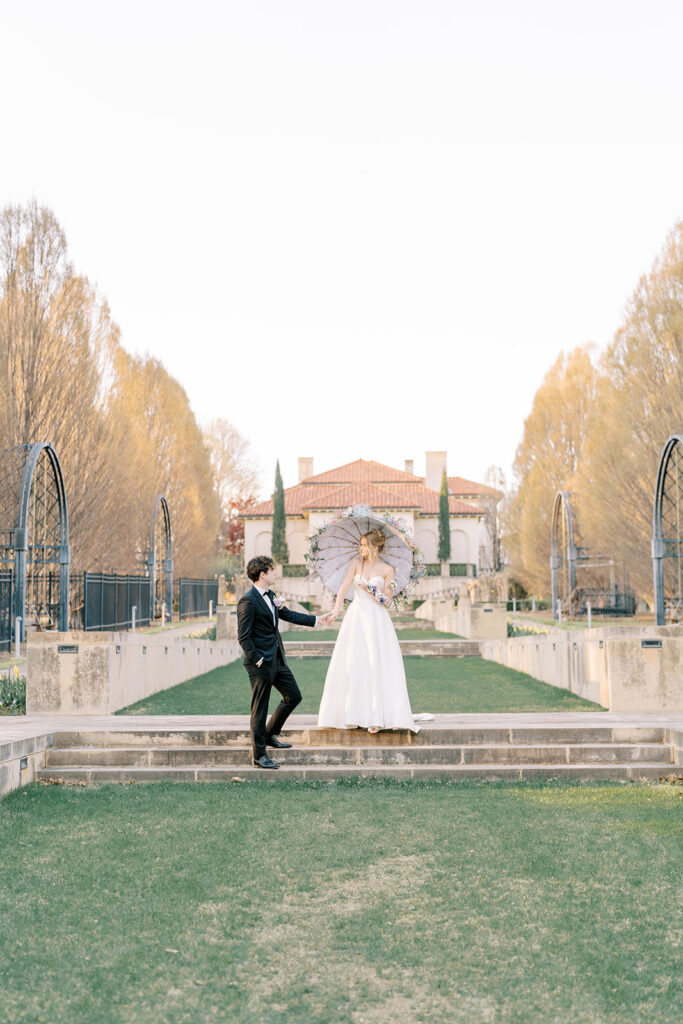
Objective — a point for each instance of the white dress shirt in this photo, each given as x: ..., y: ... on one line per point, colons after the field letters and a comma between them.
x: 264, y: 595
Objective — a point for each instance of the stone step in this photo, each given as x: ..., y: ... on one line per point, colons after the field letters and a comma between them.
x: 238, y: 756
x: 421, y: 648
x: 429, y: 735
x: 580, y: 772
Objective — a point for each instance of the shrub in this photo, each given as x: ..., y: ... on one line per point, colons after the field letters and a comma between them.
x: 208, y: 634
x: 294, y: 569
x: 515, y: 630
x: 13, y: 693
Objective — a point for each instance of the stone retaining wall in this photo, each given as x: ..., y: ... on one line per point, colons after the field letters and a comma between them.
x: 80, y: 673
x: 20, y: 759
x: 481, y: 621
x: 624, y: 668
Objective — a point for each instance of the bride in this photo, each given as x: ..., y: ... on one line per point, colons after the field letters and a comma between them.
x: 365, y: 684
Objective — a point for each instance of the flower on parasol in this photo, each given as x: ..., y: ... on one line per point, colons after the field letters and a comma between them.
x: 334, y: 546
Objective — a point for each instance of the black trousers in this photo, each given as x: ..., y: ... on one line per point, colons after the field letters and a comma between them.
x: 271, y: 674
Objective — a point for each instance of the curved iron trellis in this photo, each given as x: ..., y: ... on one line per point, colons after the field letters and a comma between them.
x: 562, y: 511
x: 666, y: 547
x: 21, y: 545
x: 161, y: 505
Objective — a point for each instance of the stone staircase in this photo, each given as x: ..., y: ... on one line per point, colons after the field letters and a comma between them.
x: 185, y: 754
x: 422, y: 648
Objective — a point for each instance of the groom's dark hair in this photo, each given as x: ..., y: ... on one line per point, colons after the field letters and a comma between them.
x: 255, y: 566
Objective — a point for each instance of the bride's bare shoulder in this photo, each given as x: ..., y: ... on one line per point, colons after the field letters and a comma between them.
x: 387, y: 570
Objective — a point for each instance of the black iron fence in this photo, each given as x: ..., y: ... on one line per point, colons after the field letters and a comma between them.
x: 194, y: 596
x: 607, y: 601
x: 105, y: 601
x: 6, y: 609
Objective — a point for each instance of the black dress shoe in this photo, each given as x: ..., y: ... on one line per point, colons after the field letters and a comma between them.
x: 273, y: 741
x: 265, y: 762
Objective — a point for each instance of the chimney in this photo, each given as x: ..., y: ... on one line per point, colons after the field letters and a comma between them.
x: 435, y: 465
x: 305, y: 468
x: 410, y: 466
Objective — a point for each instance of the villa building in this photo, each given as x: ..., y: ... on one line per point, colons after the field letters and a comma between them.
x: 415, y: 499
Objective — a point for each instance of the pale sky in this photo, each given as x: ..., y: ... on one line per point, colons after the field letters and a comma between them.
x: 354, y: 229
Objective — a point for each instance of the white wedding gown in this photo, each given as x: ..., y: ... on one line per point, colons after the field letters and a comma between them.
x: 366, y: 682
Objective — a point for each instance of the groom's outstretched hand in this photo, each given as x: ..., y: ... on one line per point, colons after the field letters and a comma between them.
x: 326, y: 620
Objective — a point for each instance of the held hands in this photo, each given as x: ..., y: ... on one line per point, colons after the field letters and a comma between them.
x: 328, y: 619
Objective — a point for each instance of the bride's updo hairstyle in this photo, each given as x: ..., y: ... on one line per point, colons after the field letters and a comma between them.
x: 377, y: 539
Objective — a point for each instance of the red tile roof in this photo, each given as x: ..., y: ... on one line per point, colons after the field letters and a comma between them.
x: 362, y: 494
x: 459, y: 485
x: 364, y: 471
x: 371, y: 483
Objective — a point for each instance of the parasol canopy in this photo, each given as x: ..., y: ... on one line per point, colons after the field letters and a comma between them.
x: 336, y: 544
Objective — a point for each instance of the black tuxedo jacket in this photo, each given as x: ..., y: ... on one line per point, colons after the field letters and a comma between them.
x: 258, y: 636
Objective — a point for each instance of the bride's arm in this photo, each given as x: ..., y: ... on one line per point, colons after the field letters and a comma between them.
x: 388, y: 595
x: 344, y: 589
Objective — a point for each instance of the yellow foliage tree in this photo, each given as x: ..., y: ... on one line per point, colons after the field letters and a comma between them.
x: 166, y: 453
x: 547, y: 461
x: 639, y: 403
x: 122, y: 426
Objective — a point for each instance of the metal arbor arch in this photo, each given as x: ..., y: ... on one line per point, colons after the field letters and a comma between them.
x: 34, y: 535
x: 160, y: 559
x: 563, y: 552
x: 667, y: 533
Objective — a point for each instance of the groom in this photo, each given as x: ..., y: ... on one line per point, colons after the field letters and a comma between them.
x: 264, y: 657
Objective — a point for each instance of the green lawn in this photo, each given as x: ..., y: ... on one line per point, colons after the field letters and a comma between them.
x: 446, y: 685
x: 330, y: 903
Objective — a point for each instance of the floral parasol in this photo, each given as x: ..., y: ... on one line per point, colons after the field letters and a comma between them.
x: 336, y: 544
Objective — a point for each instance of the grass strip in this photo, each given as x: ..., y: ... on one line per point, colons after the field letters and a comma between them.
x: 436, y: 685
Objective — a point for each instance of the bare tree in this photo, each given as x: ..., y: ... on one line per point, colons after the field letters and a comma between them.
x: 236, y: 477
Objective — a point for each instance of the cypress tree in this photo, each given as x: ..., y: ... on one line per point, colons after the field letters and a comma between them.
x: 444, y: 522
x: 278, y: 547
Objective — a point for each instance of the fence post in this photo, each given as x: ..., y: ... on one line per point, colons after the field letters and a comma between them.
x: 163, y: 614
x: 17, y: 636
x: 559, y: 610
x: 533, y: 604
x: 210, y: 609
x: 132, y: 623
x: 590, y: 617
